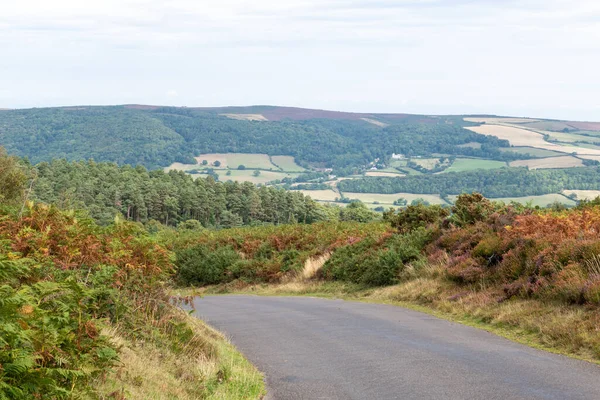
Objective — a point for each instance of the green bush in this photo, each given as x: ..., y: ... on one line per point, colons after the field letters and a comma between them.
x: 201, y: 265
x: 376, y: 262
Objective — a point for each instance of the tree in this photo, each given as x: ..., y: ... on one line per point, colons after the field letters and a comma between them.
x: 256, y: 173
x: 204, y: 162
x: 241, y: 167
x: 12, y: 178
x: 356, y: 211
x: 217, y: 163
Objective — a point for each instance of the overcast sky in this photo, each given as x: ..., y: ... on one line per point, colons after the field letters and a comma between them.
x: 525, y: 58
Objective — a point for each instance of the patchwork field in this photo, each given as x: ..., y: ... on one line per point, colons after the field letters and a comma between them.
x: 323, y: 195
x: 287, y: 163
x: 532, y: 151
x: 469, y: 164
x: 382, y: 173
x: 525, y: 137
x: 388, y: 199
x: 234, y: 160
x: 583, y: 194
x: 541, y: 201
x: 551, y: 162
x: 427, y: 163
x: 571, y: 137
x: 248, y: 176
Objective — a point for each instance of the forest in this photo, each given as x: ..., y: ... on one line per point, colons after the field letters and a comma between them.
x: 106, y: 190
x: 158, y: 137
x: 504, y: 182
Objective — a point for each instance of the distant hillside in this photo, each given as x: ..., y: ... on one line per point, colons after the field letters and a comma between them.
x: 158, y: 136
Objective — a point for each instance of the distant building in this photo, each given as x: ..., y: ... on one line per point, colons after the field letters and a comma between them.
x: 397, y: 156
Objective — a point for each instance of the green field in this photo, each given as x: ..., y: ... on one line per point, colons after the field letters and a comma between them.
x: 287, y: 163
x: 234, y: 160
x: 541, y: 201
x: 248, y: 176
x: 469, y: 164
x: 571, y: 137
x: 541, y: 153
x: 388, y: 199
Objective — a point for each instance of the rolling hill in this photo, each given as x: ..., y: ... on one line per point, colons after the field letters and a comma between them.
x: 304, y: 148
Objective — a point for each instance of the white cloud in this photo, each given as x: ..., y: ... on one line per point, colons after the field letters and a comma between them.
x: 525, y: 57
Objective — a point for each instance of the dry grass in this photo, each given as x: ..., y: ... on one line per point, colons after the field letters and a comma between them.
x: 209, y: 367
x: 583, y: 194
x: 313, y: 265
x: 551, y: 162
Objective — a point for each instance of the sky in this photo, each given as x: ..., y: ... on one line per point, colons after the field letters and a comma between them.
x: 537, y: 58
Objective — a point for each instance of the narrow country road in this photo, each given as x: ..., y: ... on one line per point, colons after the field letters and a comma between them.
x: 313, y: 348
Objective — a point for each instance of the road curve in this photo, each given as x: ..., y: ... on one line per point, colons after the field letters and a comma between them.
x: 313, y: 348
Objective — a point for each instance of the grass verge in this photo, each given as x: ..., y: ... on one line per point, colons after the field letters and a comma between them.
x: 204, y: 366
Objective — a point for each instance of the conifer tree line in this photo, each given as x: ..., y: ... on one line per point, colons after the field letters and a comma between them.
x: 106, y: 189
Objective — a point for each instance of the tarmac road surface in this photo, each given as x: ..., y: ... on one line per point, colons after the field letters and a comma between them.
x: 311, y: 348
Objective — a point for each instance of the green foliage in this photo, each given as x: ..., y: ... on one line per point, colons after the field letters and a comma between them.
x: 375, y: 262
x: 416, y: 216
x: 12, y: 178
x: 62, y: 280
x: 258, y: 254
x: 471, y: 208
x: 200, y: 265
x: 357, y: 211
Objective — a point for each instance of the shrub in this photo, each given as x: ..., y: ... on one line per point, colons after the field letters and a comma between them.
x: 416, y: 216
x: 471, y: 208
x: 200, y: 265
x: 373, y: 261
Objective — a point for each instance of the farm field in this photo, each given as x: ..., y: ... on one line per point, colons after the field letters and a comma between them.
x: 287, y: 163
x: 233, y: 160
x: 388, y: 199
x: 248, y: 176
x: 523, y: 137
x: 541, y: 201
x: 583, y: 194
x: 427, y: 163
x: 532, y: 151
x: 323, y: 195
x: 469, y: 164
x: 571, y: 137
x: 384, y: 173
x: 550, y: 162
